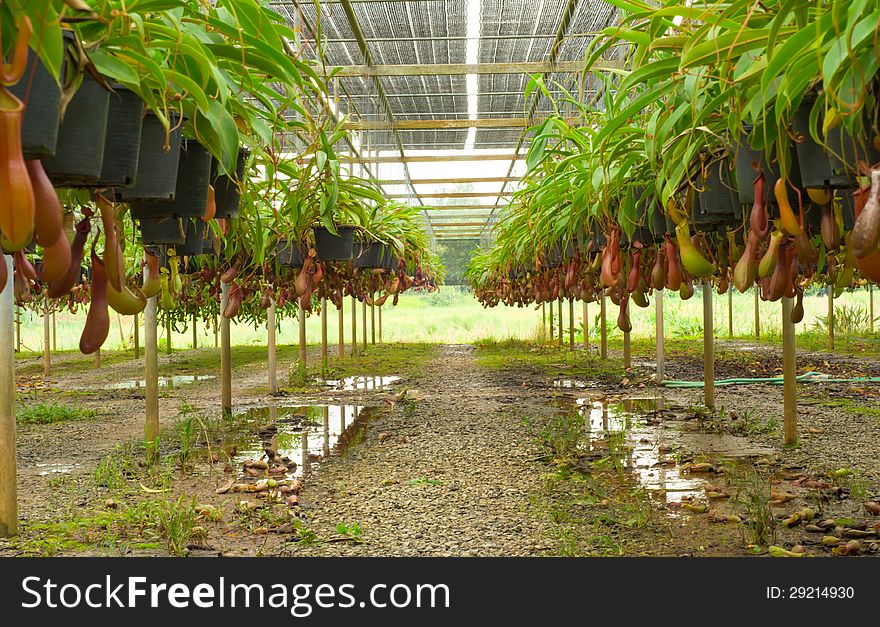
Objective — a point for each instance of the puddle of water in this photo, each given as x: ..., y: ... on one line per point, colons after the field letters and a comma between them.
x: 646, y: 448
x: 57, y: 469
x: 304, y: 435
x: 164, y: 382
x: 352, y: 384
x: 568, y: 383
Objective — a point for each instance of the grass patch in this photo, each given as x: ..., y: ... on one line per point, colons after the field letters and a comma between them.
x: 51, y: 412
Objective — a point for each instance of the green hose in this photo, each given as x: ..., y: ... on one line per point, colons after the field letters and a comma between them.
x: 807, y: 377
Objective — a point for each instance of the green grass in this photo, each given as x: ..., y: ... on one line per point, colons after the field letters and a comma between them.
x: 48, y: 413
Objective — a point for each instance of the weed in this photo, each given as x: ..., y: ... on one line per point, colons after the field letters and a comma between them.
x: 424, y: 481
x: 171, y: 521
x: 48, y: 413
x: 562, y: 434
x: 848, y: 320
x: 753, y: 493
x: 353, y: 531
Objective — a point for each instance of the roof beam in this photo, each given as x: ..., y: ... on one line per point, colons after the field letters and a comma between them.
x: 453, y: 123
x: 459, y: 207
x: 479, y: 179
x: 459, y: 69
x: 450, y: 195
x: 457, y: 224
x: 438, y: 158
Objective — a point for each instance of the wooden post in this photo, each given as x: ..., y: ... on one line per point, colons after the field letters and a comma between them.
x: 571, y: 324
x: 364, y: 324
x: 757, y: 313
x: 323, y: 335
x: 380, y: 325
x: 341, y: 314
x: 660, y: 336
x: 272, y: 347
x: 98, y: 359
x: 552, y: 334
x: 627, y: 351
x: 137, y: 338
x: 870, y: 305
x: 55, y: 332
x: 302, y: 345
x: 373, y: 321
x: 544, y: 320
x: 560, y: 321
x: 831, y: 317
x: 730, y: 311
x: 603, y: 339
x: 151, y: 375
x: 586, y: 327
x: 225, y: 355
x: 17, y: 328
x: 47, y: 354
x: 216, y: 329
x: 708, y: 346
x: 789, y: 373
x: 354, y: 326
x: 195, y: 332
x: 167, y: 332
x: 8, y: 471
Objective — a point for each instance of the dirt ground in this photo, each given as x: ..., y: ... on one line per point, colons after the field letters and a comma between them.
x: 475, y: 451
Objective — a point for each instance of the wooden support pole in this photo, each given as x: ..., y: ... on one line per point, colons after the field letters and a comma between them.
x: 151, y: 375
x: 571, y: 324
x: 730, y: 311
x: 373, y: 322
x: 586, y: 327
x: 354, y: 326
x: 380, y: 325
x: 98, y: 359
x: 8, y: 470
x: 830, y: 290
x: 225, y: 355
x: 47, y: 353
x: 137, y: 338
x: 364, y: 324
x: 272, y: 347
x: 552, y: 334
x: 302, y: 345
x: 660, y: 336
x: 340, y: 314
x: 757, y: 313
x: 17, y: 329
x: 544, y: 320
x: 708, y: 346
x: 627, y: 350
x: 870, y: 305
x: 603, y: 329
x: 323, y: 335
x: 195, y: 332
x: 167, y: 332
x: 216, y: 330
x: 55, y: 332
x: 789, y: 374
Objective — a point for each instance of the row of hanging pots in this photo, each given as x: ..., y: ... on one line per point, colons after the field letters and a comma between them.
x: 341, y: 247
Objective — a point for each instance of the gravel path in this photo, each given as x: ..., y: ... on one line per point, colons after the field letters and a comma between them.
x: 449, y: 477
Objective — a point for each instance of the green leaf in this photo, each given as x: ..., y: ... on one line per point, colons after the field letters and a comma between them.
x: 114, y: 67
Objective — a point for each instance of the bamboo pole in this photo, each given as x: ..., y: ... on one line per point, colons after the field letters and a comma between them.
x: 55, y: 333
x: 730, y: 312
x: 323, y: 335
x: 586, y: 327
x: 627, y: 350
x: 552, y: 334
x: 870, y: 305
x: 98, y: 359
x: 603, y: 338
x: 137, y: 338
x: 757, y: 314
x: 272, y: 348
x: 47, y: 354
x: 560, y: 321
x: 8, y: 471
x: 341, y: 315
x: 660, y: 336
x: 380, y: 325
x: 789, y: 373
x: 302, y: 345
x: 831, y: 317
x: 708, y: 347
x: 544, y: 319
x: 225, y: 355
x: 195, y: 332
x: 373, y: 322
x: 151, y: 375
x: 354, y: 326
x: 364, y: 324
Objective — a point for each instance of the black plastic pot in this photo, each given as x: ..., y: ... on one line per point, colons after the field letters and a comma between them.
x: 848, y: 209
x: 597, y: 241
x: 559, y: 253
x: 290, y: 254
x: 157, y: 170
x: 41, y: 94
x: 367, y: 254
x: 191, y: 189
x: 384, y: 255
x: 717, y: 196
x: 79, y: 152
x: 813, y: 217
x: 334, y: 247
x: 227, y: 194
x: 195, y: 230
x: 817, y: 167
x: 123, y: 140
x: 745, y: 160
x: 168, y: 231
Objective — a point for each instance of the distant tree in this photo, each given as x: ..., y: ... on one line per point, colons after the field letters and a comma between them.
x: 456, y: 253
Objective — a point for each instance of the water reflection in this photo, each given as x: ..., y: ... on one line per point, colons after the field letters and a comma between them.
x: 164, y: 382
x: 364, y: 383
